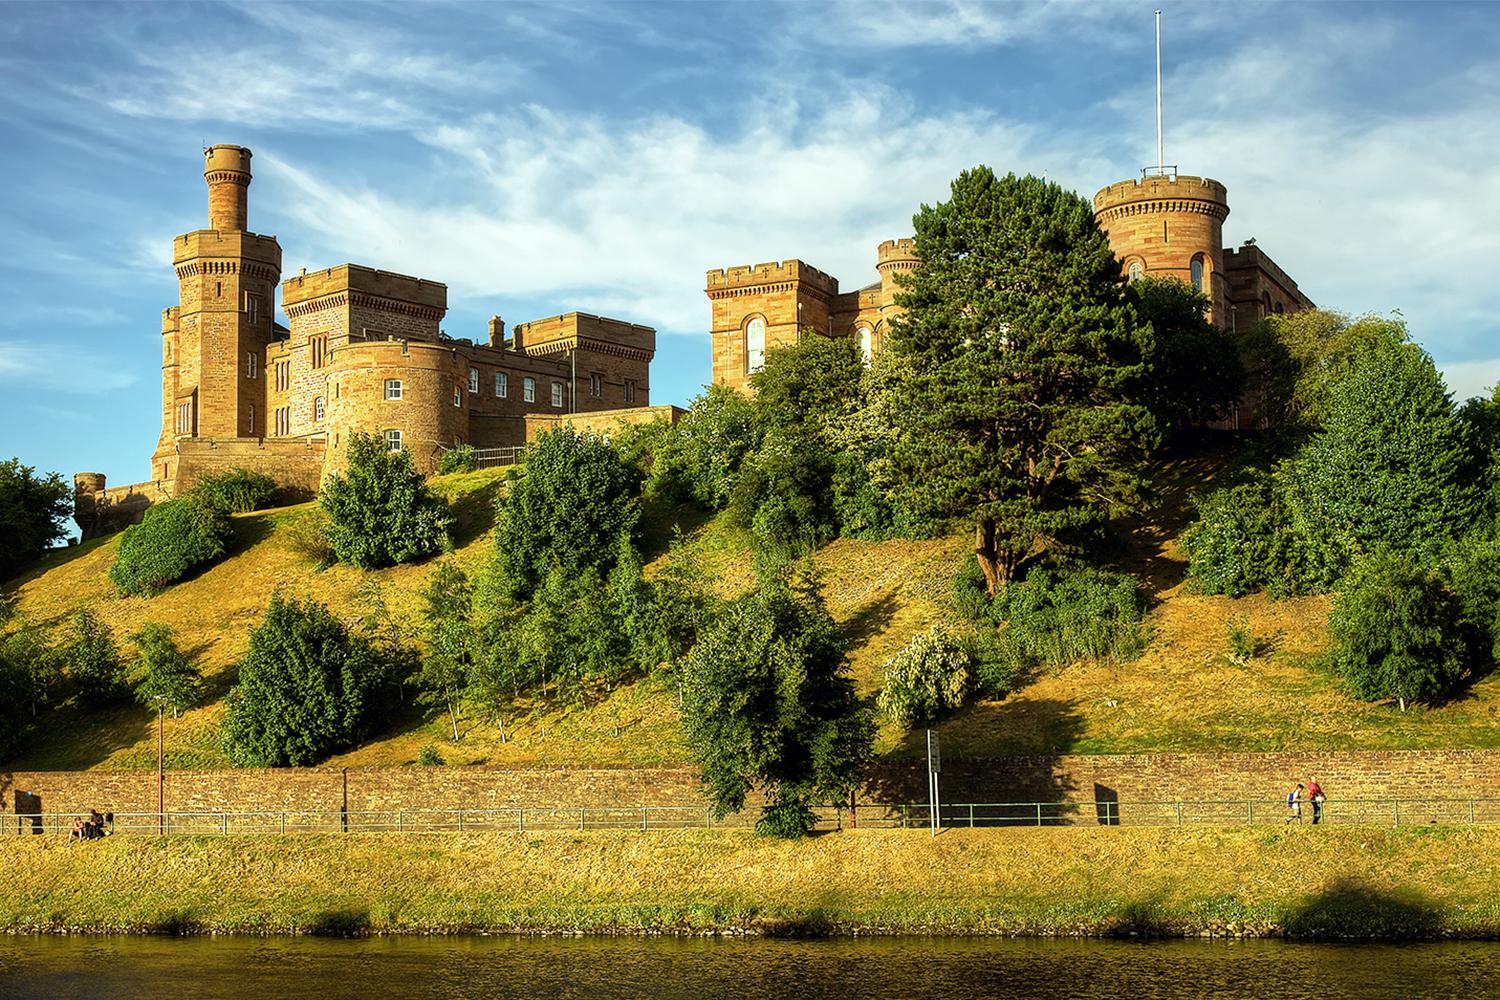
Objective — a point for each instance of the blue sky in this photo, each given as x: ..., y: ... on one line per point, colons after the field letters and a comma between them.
x: 601, y: 157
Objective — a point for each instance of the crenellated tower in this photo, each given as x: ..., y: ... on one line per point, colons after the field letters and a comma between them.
x: 1169, y: 225
x: 214, y: 340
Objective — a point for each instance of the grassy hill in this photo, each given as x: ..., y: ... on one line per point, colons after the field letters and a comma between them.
x: 1183, y: 694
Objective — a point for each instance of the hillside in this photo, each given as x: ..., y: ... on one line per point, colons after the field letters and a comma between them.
x: 1182, y: 694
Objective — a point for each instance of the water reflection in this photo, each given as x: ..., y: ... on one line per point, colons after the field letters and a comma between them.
x: 130, y: 968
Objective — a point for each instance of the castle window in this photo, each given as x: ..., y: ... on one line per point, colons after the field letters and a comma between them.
x: 1136, y: 270
x: 502, y: 385
x: 474, y: 380
x: 392, y: 440
x: 185, y: 417
x: 393, y: 388
x: 866, y: 343
x: 755, y: 345
x: 630, y: 390
x: 596, y: 384
x: 318, y: 409
x: 1196, y: 270
x: 319, y: 350
x: 528, y: 389
x: 283, y: 375
x: 458, y: 397
x: 252, y: 421
x: 557, y: 394
x: 252, y: 309
x: 283, y: 421
x: 252, y: 365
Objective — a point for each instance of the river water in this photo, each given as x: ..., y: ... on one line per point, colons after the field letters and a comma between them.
x: 124, y: 968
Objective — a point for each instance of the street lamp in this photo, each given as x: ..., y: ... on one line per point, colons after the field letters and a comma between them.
x: 161, y: 774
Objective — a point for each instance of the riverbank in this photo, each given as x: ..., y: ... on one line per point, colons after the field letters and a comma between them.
x: 1329, y: 883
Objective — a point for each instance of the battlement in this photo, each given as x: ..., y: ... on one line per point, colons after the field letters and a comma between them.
x: 892, y: 251
x: 356, y: 278
x: 226, y: 243
x: 170, y: 318
x: 584, y: 330
x: 771, y: 273
x: 1182, y: 187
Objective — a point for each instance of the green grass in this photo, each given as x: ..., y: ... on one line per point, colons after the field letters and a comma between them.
x: 1328, y: 883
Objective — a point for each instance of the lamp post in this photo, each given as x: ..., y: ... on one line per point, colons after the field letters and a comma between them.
x: 161, y: 774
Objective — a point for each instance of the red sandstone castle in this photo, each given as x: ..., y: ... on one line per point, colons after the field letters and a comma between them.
x: 1160, y: 225
x: 363, y: 351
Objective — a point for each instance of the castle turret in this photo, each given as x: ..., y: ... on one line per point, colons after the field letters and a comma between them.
x: 759, y: 307
x: 894, y: 257
x: 227, y: 171
x: 1169, y: 226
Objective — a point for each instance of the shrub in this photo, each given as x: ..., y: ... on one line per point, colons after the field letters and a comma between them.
x: 1055, y: 616
x: 379, y: 510
x: 459, y: 459
x: 307, y: 688
x: 784, y: 495
x: 575, y: 498
x: 33, y: 514
x: 929, y: 677
x: 163, y: 676
x: 29, y: 679
x: 237, y: 491
x: 1241, y: 640
x: 93, y: 661
x: 767, y: 703
x: 307, y: 535
x: 173, y: 539
x: 1397, y: 630
x: 428, y: 756
x: 706, y: 448
x: 1244, y: 540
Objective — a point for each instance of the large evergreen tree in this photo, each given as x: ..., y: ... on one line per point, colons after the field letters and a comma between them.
x: 1023, y: 359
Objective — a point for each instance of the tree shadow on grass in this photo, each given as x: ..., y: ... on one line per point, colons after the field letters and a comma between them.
x: 662, y: 520
x: 474, y: 513
x: 1350, y: 909
x: 340, y: 922
x: 869, y: 620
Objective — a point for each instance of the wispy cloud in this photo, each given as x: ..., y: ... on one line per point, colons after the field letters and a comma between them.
x: 29, y: 365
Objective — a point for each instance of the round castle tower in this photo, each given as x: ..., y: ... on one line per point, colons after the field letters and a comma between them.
x: 1169, y: 226
x: 227, y: 171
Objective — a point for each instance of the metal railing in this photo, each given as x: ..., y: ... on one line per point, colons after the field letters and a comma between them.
x: 490, y: 457
x: 1242, y: 812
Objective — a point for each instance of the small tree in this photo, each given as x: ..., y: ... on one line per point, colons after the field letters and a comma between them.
x: 812, y: 385
x: 1295, y: 360
x: 33, y: 514
x: 1398, y: 631
x: 379, y: 510
x: 785, y: 494
x: 307, y: 688
x: 237, y: 491
x: 444, y: 676
x: 768, y: 704
x: 174, y: 538
x: 164, y: 678
x: 930, y: 676
x: 93, y: 661
x: 29, y: 679
x: 706, y: 448
x: 575, y: 498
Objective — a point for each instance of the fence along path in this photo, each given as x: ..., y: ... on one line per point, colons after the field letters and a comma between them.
x: 1242, y: 812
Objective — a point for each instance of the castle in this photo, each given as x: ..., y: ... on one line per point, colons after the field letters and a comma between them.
x: 1160, y: 225
x: 363, y: 351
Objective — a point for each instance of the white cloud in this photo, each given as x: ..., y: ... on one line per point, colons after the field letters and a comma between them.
x: 64, y: 369
x: 1471, y: 378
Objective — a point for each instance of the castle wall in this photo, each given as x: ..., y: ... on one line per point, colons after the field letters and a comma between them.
x: 1257, y: 288
x: 602, y: 422
x: 430, y: 374
x: 1164, y: 223
x: 295, y: 464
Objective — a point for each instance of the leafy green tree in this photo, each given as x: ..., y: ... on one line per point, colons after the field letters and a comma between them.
x: 768, y: 704
x: 380, y: 512
x: 451, y: 641
x: 307, y: 688
x: 706, y: 448
x: 93, y: 661
x: 1244, y: 539
x: 33, y: 513
x: 30, y: 677
x: 1024, y: 354
x: 174, y: 538
x: 1398, y: 631
x: 236, y: 491
x: 931, y: 675
x: 1392, y: 466
x: 1196, y: 374
x: 1296, y: 359
x: 785, y: 494
x: 574, y: 499
x: 164, y: 677
x: 812, y: 384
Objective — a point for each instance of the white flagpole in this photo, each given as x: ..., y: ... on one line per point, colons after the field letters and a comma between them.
x: 1161, y: 159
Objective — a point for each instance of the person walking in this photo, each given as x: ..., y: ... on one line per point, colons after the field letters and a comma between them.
x: 1316, y: 797
x: 1294, y: 804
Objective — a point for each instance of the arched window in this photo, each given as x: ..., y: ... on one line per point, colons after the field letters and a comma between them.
x: 1197, y: 272
x: 1136, y: 270
x: 1265, y: 303
x: 866, y: 337
x: 755, y: 345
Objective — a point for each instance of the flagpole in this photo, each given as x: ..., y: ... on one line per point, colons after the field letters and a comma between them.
x: 1161, y: 159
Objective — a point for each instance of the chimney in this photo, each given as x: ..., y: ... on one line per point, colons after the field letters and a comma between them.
x: 497, y: 332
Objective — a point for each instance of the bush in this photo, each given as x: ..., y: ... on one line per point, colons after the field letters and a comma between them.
x: 705, y: 450
x: 33, y: 514
x: 307, y: 688
x: 428, y: 756
x: 929, y: 677
x: 173, y: 539
x: 237, y: 491
x: 575, y: 498
x: 1057, y: 617
x: 784, y: 495
x: 459, y: 459
x: 93, y: 661
x: 767, y: 703
x: 1244, y: 540
x: 1397, y: 630
x: 306, y: 534
x: 164, y: 678
x: 29, y: 679
x: 379, y: 510
x: 1241, y: 640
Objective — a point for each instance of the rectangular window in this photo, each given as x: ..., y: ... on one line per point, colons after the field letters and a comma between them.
x: 318, y: 347
x: 393, y: 389
x: 252, y: 365
x: 557, y: 394
x: 596, y: 384
x: 283, y: 421
x: 252, y: 309
x: 318, y: 409
x: 283, y: 375
x: 630, y: 390
x: 458, y: 397
x: 473, y: 379
x: 528, y: 389
x: 185, y: 418
x: 393, y: 440
x: 502, y: 385
x: 252, y: 420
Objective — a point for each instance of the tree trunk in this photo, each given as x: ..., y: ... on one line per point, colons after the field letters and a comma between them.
x: 453, y: 718
x: 988, y: 555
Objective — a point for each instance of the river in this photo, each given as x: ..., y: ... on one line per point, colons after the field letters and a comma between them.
x: 127, y: 968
